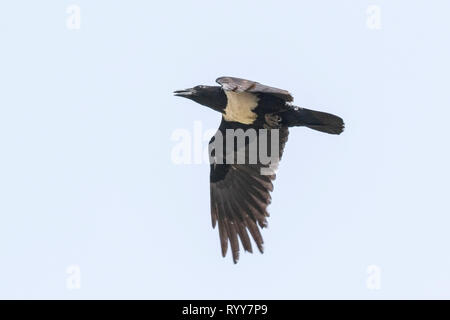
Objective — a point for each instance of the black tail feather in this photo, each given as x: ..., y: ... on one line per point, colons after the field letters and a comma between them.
x: 317, y: 120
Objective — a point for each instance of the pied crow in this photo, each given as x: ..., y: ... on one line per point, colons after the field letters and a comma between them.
x: 240, y: 191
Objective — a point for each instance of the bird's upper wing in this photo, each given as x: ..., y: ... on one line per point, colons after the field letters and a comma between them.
x: 242, y: 85
x: 240, y: 195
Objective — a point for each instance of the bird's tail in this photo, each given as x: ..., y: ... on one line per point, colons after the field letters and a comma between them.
x: 317, y: 120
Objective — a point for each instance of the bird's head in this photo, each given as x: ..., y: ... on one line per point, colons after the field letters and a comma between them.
x: 210, y: 96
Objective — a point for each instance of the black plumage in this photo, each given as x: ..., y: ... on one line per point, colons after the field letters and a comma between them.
x: 239, y: 192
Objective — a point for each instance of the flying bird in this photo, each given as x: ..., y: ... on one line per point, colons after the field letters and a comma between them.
x: 240, y: 191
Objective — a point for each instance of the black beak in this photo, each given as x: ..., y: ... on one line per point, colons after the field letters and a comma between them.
x: 187, y: 93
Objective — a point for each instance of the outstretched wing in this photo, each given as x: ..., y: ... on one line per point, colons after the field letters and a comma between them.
x: 242, y: 85
x: 240, y: 195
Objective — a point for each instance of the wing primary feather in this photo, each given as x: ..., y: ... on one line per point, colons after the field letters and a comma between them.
x: 223, y: 232
x: 214, y: 211
x: 239, y: 215
x: 223, y: 238
x: 256, y: 234
x: 232, y: 232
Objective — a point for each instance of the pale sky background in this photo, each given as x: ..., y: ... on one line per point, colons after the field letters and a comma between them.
x: 86, y: 176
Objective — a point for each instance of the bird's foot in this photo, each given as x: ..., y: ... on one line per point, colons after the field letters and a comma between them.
x: 273, y: 121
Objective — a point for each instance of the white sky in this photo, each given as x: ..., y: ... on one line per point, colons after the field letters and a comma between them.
x: 86, y: 177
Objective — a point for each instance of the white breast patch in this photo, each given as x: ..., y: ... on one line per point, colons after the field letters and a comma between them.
x: 240, y: 107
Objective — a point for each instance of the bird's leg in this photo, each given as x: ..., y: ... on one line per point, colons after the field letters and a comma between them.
x: 273, y: 121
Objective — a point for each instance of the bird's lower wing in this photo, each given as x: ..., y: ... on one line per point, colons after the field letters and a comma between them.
x: 240, y: 195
